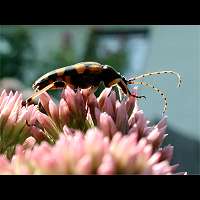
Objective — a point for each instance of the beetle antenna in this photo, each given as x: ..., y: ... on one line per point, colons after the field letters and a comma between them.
x: 158, y: 73
x: 155, y: 89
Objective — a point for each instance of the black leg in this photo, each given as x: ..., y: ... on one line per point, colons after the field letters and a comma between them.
x: 138, y: 97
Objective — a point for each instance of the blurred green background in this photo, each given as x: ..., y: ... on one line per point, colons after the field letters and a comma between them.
x: 27, y: 52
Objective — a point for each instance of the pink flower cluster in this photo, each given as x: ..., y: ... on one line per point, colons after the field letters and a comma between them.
x: 87, y: 135
x: 14, y: 120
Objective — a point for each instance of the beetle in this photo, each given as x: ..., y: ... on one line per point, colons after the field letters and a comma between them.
x: 91, y: 74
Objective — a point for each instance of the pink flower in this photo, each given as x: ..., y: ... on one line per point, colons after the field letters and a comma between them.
x: 82, y: 110
x: 70, y: 111
x: 90, y: 153
x: 14, y: 121
x: 83, y: 134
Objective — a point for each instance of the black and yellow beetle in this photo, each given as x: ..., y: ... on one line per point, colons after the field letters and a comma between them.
x: 90, y: 74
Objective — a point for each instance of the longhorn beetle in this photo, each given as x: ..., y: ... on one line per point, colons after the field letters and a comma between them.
x: 91, y: 74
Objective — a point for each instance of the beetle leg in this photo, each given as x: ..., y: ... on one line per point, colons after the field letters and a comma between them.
x: 56, y: 84
x: 126, y: 91
x: 138, y: 97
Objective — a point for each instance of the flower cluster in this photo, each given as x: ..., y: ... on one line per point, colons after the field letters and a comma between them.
x: 87, y: 135
x: 14, y: 122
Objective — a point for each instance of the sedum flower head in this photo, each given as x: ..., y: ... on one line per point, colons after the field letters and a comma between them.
x: 14, y: 120
x: 89, y: 135
x: 90, y: 153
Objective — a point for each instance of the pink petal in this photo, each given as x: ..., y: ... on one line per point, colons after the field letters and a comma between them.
x: 162, y: 168
x: 130, y: 103
x: 37, y: 133
x: 108, y: 107
x: 48, y: 124
x: 44, y: 99
x: 155, y: 158
x: 104, y: 94
x: 107, y: 125
x: 54, y: 112
x: 84, y: 165
x: 167, y: 153
x: 64, y: 113
x: 122, y: 118
x: 92, y: 104
x: 69, y: 97
x: 107, y: 166
x: 29, y: 142
x: 162, y: 123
